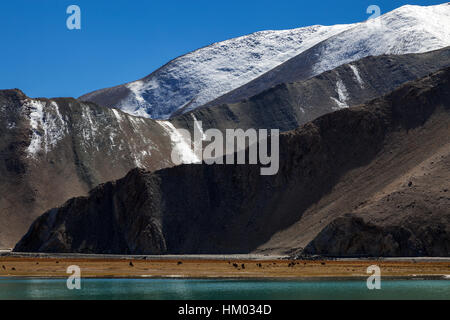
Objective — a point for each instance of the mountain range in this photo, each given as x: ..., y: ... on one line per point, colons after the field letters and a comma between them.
x: 363, y: 156
x: 78, y: 145
x: 368, y: 180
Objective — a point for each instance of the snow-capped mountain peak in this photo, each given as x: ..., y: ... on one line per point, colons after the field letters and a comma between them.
x: 207, y: 73
x: 204, y: 75
x: 408, y: 29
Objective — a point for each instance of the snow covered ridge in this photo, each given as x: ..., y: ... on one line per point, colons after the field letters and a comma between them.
x: 206, y: 74
x: 198, y: 77
x: 409, y: 29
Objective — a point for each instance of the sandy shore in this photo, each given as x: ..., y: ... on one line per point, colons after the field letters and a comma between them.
x: 234, y: 266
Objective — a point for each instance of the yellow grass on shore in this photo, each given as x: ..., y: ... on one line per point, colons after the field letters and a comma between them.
x: 205, y: 268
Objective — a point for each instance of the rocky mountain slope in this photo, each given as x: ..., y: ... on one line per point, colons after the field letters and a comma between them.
x: 64, y: 144
x: 242, y: 67
x: 386, y: 163
x: 289, y: 105
x: 55, y: 149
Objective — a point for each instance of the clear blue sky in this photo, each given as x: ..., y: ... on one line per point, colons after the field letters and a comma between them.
x: 122, y: 40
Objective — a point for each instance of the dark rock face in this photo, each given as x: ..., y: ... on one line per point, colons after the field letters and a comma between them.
x: 233, y: 209
x: 90, y: 230
x: 352, y: 236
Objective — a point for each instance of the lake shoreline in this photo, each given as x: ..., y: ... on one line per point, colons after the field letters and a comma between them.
x: 218, y: 267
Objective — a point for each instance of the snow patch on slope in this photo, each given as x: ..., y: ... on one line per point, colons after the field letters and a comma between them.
x: 181, y: 146
x: 139, y: 157
x: 117, y: 115
x: 357, y: 75
x: 55, y: 126
x: 47, y: 125
x: 341, y: 90
x: 90, y: 127
x: 36, y: 116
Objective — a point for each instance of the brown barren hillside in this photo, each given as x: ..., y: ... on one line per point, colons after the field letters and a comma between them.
x: 55, y: 149
x: 80, y: 145
x: 385, y: 163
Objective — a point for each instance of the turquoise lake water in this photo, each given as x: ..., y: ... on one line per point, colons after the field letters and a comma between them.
x: 221, y: 289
